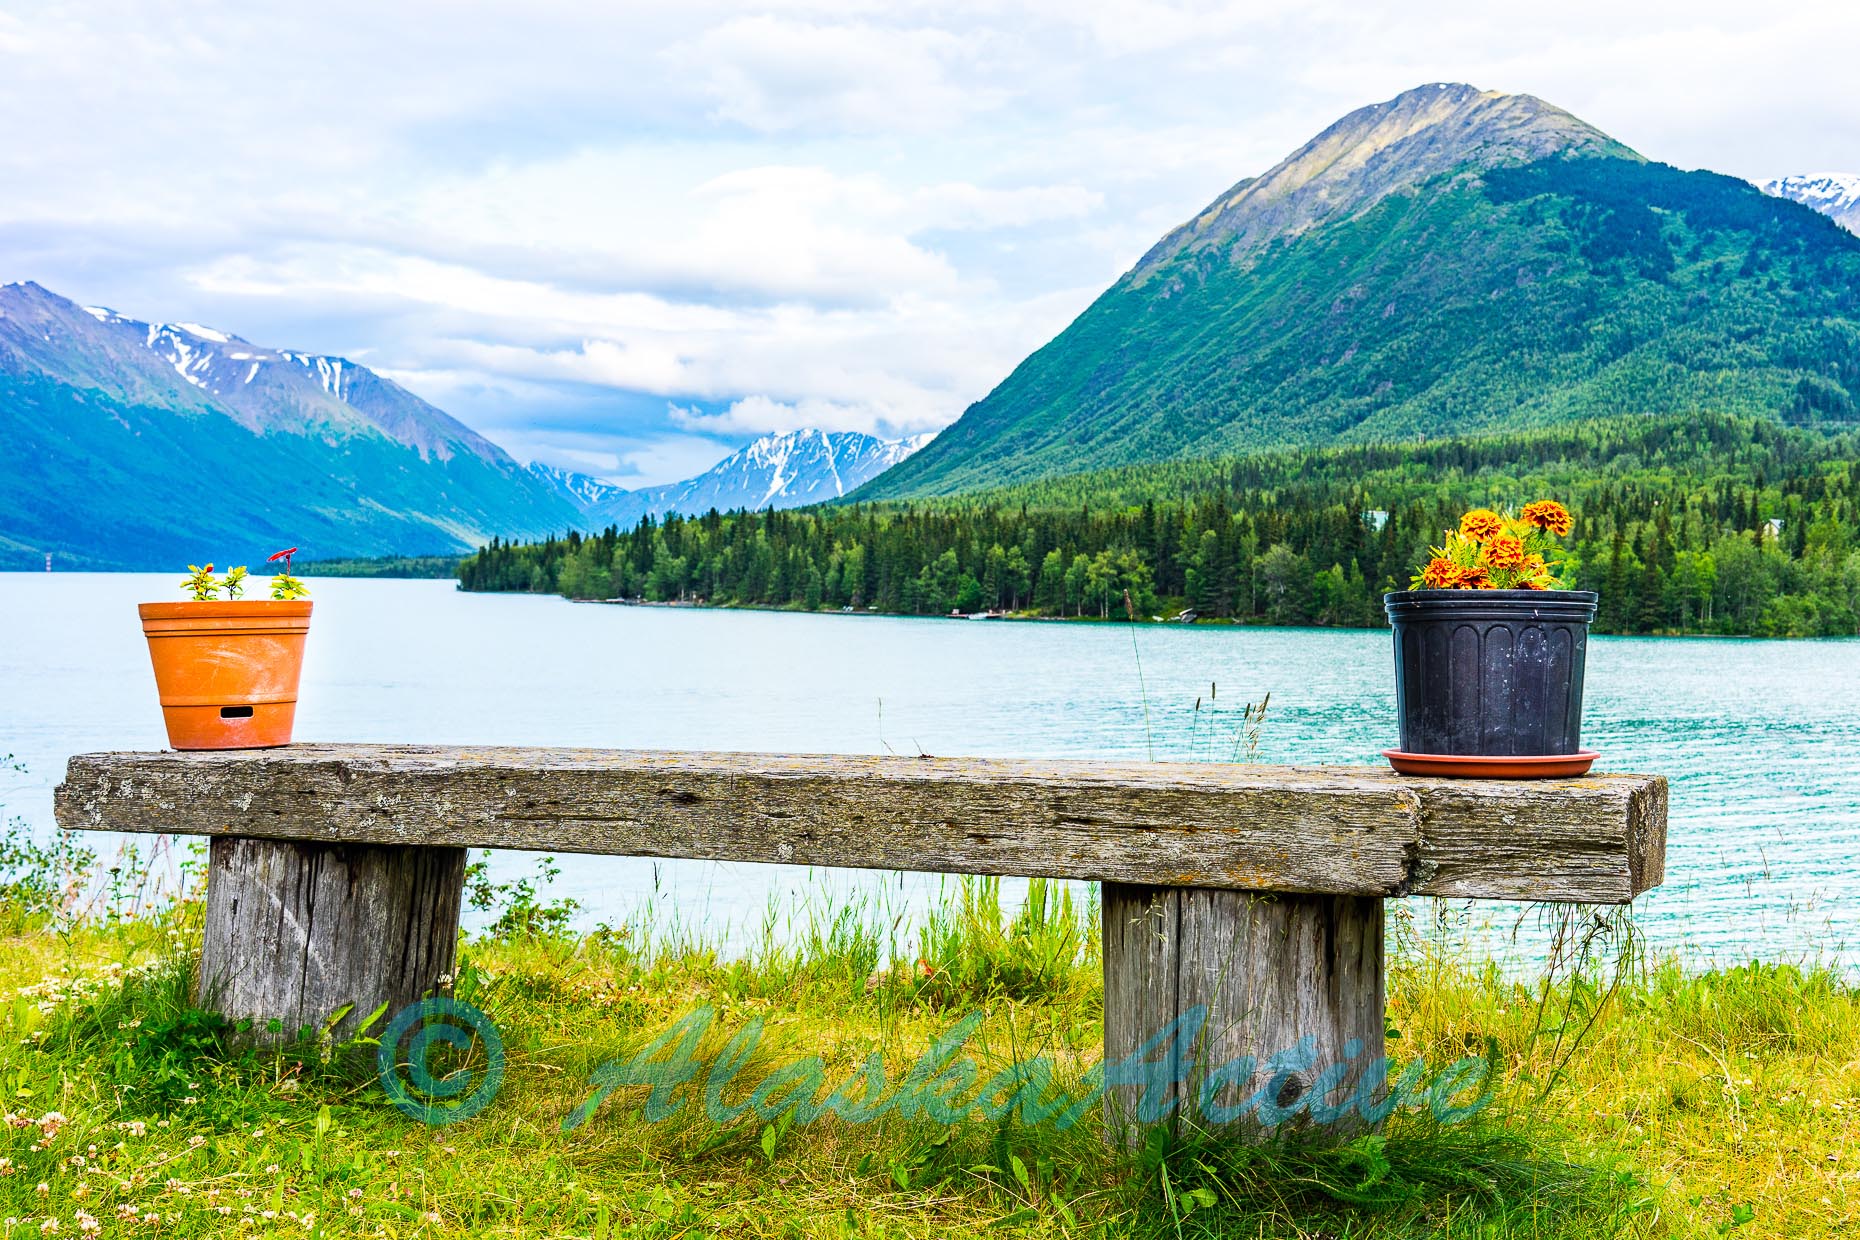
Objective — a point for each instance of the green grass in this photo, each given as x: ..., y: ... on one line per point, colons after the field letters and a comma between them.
x: 1654, y: 1101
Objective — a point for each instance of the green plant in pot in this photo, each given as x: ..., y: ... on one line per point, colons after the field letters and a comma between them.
x: 1489, y: 651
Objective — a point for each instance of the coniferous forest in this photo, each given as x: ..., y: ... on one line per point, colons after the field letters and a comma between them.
x: 1702, y: 524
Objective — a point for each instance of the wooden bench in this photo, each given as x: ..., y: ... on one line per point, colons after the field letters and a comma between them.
x: 1253, y: 892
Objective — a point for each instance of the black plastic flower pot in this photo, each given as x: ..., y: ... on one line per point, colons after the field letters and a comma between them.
x: 1490, y: 673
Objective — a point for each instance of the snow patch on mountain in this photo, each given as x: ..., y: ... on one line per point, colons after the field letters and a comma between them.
x: 776, y: 471
x: 1834, y: 194
x: 581, y: 490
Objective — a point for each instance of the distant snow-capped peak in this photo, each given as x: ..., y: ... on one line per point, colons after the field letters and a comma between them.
x: 1834, y: 194
x: 784, y: 470
x: 799, y: 467
x: 581, y: 489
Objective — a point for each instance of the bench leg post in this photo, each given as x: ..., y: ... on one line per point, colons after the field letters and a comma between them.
x: 297, y: 930
x: 1295, y: 982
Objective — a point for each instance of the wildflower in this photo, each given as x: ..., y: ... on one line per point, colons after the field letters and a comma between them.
x: 1480, y: 524
x: 1547, y: 514
x: 50, y: 1123
x: 1504, y: 551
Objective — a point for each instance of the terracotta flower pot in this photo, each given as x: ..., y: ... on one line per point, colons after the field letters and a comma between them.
x: 227, y: 672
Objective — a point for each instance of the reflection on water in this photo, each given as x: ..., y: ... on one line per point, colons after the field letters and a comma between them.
x: 1761, y: 739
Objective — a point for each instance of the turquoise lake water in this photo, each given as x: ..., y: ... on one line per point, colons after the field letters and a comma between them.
x: 1761, y: 739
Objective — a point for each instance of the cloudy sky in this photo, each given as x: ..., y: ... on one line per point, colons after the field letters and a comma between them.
x: 627, y: 242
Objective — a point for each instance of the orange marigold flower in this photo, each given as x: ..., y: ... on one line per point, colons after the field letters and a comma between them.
x: 1473, y: 578
x: 1504, y: 551
x: 1481, y: 523
x: 1547, y: 514
x: 1440, y: 574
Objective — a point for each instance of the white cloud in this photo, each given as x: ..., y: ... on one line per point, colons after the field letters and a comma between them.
x: 626, y: 462
x: 773, y: 73
x: 759, y: 415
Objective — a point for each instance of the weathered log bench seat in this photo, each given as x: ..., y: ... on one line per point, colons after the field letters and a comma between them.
x: 1253, y: 893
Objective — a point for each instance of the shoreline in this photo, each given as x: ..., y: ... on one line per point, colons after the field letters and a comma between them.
x: 1214, y: 622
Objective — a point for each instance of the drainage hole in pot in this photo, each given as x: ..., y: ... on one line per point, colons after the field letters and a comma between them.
x: 235, y: 712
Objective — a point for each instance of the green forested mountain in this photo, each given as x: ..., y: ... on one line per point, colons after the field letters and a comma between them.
x: 1703, y: 524
x: 1451, y: 261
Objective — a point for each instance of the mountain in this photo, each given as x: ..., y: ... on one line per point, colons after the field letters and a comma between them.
x: 1450, y: 261
x: 776, y: 471
x: 1834, y: 194
x: 580, y: 490
x: 1376, y: 151
x: 150, y: 445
